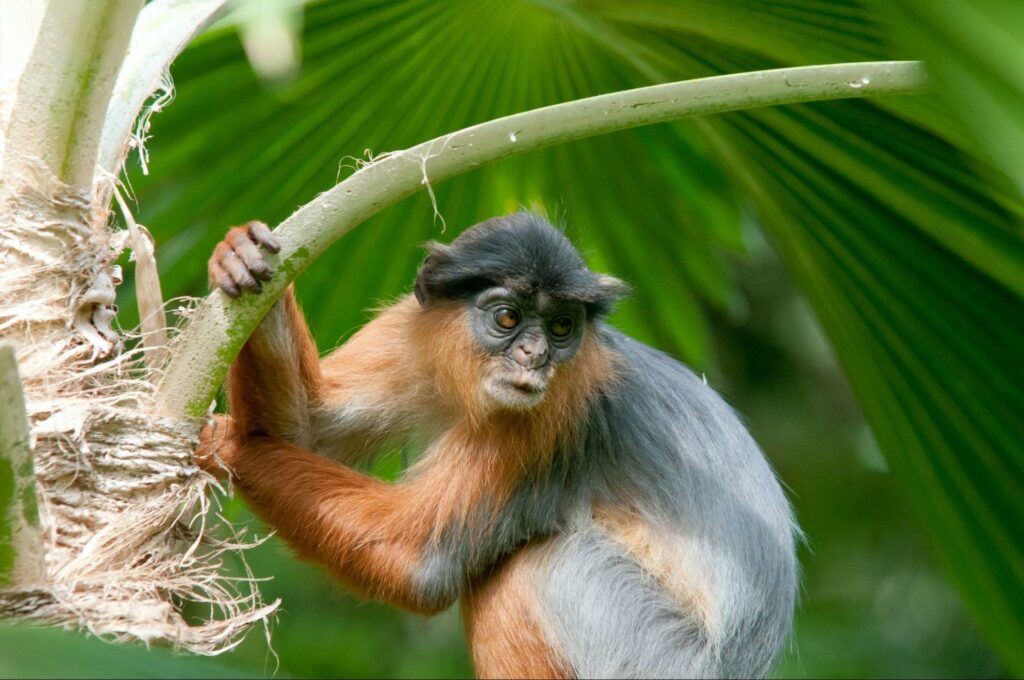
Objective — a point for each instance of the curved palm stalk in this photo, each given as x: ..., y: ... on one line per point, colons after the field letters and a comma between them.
x: 200, y: 358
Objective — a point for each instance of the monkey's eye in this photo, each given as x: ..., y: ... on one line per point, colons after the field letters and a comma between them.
x: 507, y: 318
x: 561, y: 326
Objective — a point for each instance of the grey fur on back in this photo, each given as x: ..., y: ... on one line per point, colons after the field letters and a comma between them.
x: 666, y: 441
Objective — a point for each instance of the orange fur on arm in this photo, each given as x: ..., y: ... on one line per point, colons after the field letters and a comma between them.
x: 368, y: 533
x: 284, y: 402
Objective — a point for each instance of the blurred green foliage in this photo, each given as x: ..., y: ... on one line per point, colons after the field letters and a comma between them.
x: 31, y: 652
x: 768, y: 249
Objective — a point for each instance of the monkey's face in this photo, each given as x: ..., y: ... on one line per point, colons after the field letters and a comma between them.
x: 525, y: 338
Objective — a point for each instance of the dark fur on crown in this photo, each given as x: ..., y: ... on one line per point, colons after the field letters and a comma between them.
x: 521, y: 252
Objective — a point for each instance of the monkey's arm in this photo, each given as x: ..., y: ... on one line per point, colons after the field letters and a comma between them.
x: 380, y: 539
x: 347, y: 406
x: 277, y: 375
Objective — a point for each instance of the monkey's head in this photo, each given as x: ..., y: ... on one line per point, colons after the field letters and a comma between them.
x: 529, y: 298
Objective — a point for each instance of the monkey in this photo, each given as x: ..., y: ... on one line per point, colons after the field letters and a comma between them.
x: 596, y: 508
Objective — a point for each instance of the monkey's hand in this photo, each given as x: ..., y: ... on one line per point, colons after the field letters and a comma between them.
x: 217, y: 450
x: 237, y: 263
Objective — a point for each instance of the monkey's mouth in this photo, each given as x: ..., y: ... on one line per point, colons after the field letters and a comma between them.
x: 528, y: 384
x: 518, y: 389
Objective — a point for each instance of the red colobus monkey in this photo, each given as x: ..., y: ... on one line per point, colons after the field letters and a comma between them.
x: 598, y: 510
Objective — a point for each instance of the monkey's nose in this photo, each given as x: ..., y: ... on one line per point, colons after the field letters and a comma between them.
x: 531, y: 353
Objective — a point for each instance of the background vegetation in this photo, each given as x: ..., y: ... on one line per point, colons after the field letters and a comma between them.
x: 826, y: 266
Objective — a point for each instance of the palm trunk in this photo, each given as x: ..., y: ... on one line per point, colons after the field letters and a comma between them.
x: 122, y: 506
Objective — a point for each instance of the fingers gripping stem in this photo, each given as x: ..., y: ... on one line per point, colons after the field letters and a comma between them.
x: 238, y: 263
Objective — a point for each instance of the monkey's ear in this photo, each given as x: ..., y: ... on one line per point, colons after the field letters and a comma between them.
x: 611, y: 288
x: 431, y: 277
x: 606, y: 292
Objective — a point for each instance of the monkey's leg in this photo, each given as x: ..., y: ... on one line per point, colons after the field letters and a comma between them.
x: 504, y: 622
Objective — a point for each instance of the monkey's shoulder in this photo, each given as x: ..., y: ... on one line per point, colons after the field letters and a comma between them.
x: 658, y: 404
x: 654, y: 377
x: 663, y: 427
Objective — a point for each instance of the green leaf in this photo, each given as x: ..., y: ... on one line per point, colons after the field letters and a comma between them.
x: 973, y: 50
